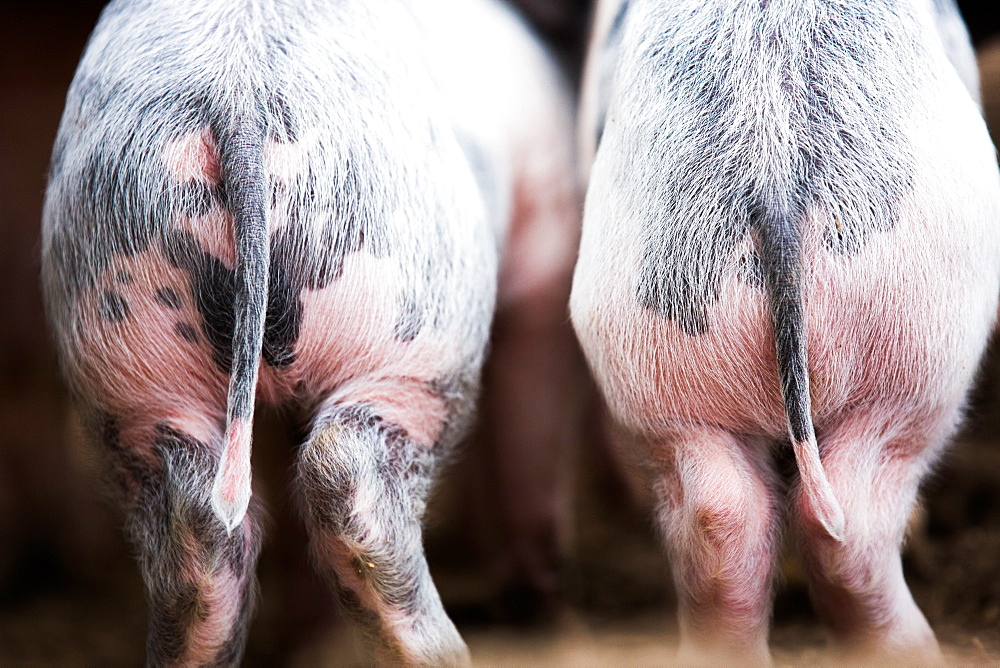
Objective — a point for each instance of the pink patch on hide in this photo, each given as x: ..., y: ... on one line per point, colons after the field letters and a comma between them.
x: 214, y: 232
x: 406, y: 402
x: 195, y: 156
x: 237, y: 454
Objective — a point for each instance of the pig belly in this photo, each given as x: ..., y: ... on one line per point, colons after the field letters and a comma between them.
x: 899, y: 326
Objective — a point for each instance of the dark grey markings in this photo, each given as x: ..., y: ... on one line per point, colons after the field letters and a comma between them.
x: 681, y: 290
x: 286, y: 129
x: 302, y: 259
x: 174, y: 499
x: 848, y: 158
x: 114, y: 308
x: 169, y: 297
x: 608, y: 60
x: 459, y: 393
x: 167, y: 493
x: 284, y: 306
x: 856, y: 163
x: 115, y: 215
x: 196, y: 199
x: 124, y: 277
x: 130, y: 472
x: 124, y: 201
x: 186, y: 332
x: 174, y: 614
x: 214, y: 292
x: 367, y: 620
x: 108, y: 204
x: 329, y: 494
x: 299, y: 258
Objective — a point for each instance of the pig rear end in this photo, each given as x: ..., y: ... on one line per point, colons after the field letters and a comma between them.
x: 798, y: 206
x: 248, y: 203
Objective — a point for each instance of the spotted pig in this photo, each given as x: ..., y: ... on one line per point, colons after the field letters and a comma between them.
x: 790, y: 243
x: 305, y: 204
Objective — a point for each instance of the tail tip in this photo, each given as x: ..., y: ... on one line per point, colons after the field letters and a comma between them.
x: 833, y: 521
x: 230, y: 513
x: 821, y: 498
x: 231, y: 490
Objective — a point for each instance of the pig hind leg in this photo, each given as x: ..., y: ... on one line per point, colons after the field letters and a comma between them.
x: 716, y: 495
x: 364, y: 485
x: 199, y: 580
x: 858, y: 585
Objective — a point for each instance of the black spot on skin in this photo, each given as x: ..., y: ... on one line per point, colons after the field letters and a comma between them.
x: 114, y: 308
x: 169, y: 297
x: 214, y: 292
x: 410, y: 321
x: 295, y: 265
x: 125, y: 277
x: 186, y: 332
x: 284, y: 307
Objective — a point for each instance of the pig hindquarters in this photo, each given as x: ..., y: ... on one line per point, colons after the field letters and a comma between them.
x: 789, y: 235
x: 248, y: 200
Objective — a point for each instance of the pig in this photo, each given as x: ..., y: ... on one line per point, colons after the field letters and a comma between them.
x: 789, y: 244
x: 306, y: 205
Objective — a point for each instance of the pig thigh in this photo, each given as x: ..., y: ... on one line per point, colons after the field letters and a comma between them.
x: 155, y: 402
x: 199, y: 578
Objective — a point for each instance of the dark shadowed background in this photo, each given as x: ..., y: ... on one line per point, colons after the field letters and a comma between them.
x: 70, y: 594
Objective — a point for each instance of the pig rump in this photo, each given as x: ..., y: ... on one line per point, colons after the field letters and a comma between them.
x: 800, y: 198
